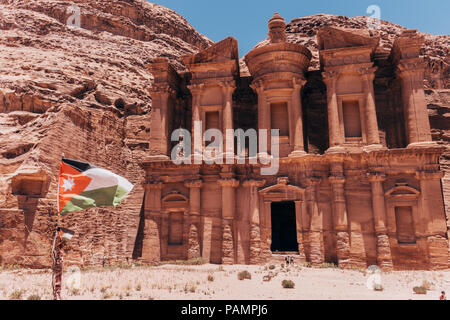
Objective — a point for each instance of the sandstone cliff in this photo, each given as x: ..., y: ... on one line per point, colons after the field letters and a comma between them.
x: 84, y: 92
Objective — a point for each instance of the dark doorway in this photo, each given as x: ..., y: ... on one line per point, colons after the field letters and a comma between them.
x: 284, y: 227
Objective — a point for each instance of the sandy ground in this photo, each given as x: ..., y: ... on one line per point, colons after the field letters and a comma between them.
x: 191, y: 282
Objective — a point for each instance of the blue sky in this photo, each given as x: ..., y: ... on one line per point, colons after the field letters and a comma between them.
x: 246, y: 20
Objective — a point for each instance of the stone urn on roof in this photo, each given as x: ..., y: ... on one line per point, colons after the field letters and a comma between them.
x: 278, y: 60
x: 277, y: 29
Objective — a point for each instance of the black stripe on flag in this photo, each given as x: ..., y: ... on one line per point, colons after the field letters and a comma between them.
x: 65, y: 233
x: 78, y: 165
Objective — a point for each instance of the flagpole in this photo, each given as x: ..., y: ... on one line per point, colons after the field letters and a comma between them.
x: 56, y: 251
x: 57, y: 190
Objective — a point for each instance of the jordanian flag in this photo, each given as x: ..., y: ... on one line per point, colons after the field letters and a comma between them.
x: 64, y: 233
x: 83, y: 185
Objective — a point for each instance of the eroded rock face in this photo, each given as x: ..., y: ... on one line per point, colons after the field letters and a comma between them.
x: 85, y: 93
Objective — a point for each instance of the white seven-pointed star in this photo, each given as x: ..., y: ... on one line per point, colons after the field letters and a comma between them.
x: 68, y: 184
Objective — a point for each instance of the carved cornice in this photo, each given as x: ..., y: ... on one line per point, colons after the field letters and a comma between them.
x: 228, y: 182
x: 193, y: 183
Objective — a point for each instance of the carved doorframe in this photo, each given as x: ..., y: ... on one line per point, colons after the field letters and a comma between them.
x: 282, y: 191
x: 172, y: 202
x: 402, y: 195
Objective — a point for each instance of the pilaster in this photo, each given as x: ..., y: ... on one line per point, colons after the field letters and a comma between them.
x: 197, y: 131
x: 384, y: 256
x: 228, y: 214
x: 432, y: 206
x: 339, y: 205
x: 263, y: 114
x: 151, y: 246
x: 315, y: 234
x: 255, y: 231
x: 194, y: 218
x: 335, y: 136
x: 297, y: 114
x: 227, y: 98
x: 373, y: 136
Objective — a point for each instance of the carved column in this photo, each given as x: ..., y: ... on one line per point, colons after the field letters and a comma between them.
x: 227, y: 98
x: 255, y: 231
x: 315, y: 235
x: 266, y: 232
x: 161, y: 113
x: 384, y: 256
x: 337, y: 181
x: 373, y: 135
x: 194, y: 218
x: 415, y: 107
x: 433, y: 216
x: 197, y: 137
x: 228, y: 210
x: 299, y: 148
x: 335, y: 135
x: 151, y: 247
x: 263, y: 112
x: 299, y: 216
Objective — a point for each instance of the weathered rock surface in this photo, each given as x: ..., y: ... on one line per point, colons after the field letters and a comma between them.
x: 85, y: 93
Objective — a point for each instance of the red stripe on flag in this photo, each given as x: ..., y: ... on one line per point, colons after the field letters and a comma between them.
x: 71, y: 183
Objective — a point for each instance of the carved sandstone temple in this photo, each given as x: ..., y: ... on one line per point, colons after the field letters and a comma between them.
x: 359, y: 181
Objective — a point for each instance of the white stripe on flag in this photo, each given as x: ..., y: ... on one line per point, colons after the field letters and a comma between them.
x: 102, y: 178
x: 67, y: 236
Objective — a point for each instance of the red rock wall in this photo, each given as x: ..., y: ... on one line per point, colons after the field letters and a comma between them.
x: 85, y: 93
